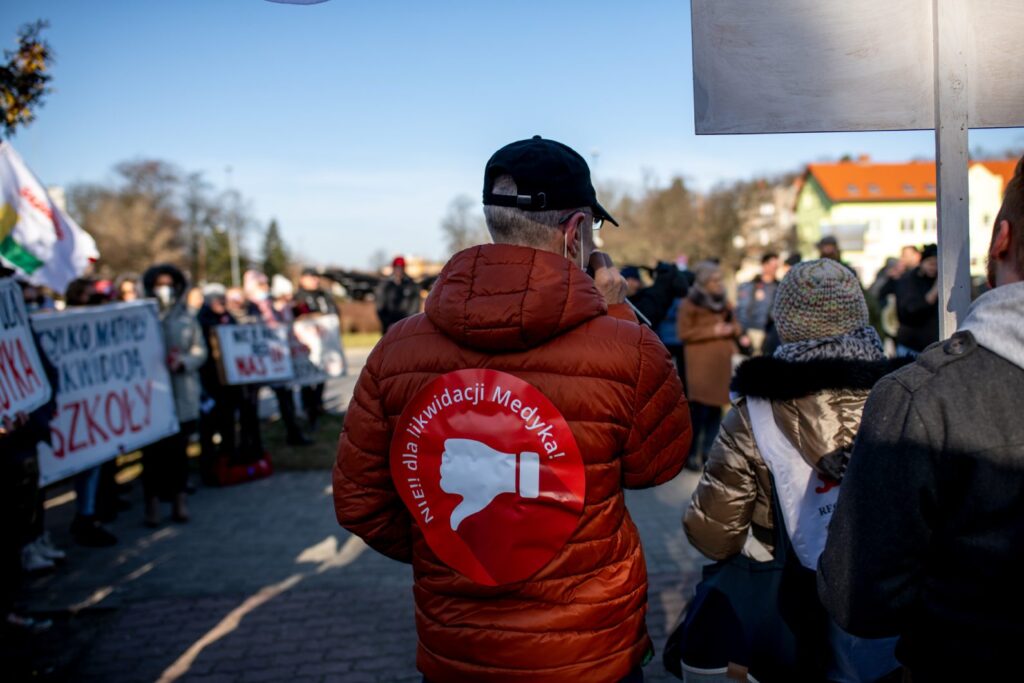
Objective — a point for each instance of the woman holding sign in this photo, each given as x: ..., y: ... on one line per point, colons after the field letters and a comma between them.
x: 165, y: 463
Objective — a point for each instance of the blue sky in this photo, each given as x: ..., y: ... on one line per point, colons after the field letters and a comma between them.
x: 355, y: 123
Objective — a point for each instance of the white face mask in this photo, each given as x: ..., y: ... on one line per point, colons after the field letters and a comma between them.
x: 164, y: 294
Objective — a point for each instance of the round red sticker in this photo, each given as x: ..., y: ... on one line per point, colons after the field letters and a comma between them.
x: 490, y: 471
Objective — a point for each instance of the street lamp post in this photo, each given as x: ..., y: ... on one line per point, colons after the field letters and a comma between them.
x: 232, y: 230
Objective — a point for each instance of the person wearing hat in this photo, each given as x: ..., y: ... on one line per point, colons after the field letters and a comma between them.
x: 917, y: 304
x: 828, y: 247
x: 526, y: 309
x: 797, y: 414
x: 397, y: 297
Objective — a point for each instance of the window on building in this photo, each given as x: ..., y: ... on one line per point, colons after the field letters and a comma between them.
x: 929, y: 225
x: 874, y: 189
x: 908, y: 188
x: 852, y: 189
x: 907, y: 225
x: 929, y: 187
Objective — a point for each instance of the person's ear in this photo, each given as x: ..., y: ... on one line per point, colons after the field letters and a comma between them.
x: 1000, y: 241
x: 573, y: 234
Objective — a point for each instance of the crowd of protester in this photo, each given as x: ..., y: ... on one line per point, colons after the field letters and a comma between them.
x: 222, y: 419
x: 878, y: 470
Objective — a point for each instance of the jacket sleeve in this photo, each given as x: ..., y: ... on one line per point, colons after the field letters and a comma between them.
x: 365, y: 500
x: 722, y: 506
x: 911, y: 305
x: 196, y: 355
x: 871, y: 571
x: 660, y: 436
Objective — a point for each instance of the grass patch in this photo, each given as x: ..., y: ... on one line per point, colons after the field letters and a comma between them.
x: 317, y: 456
x: 360, y: 340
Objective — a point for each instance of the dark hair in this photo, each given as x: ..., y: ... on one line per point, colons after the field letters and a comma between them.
x: 768, y: 257
x: 1012, y: 211
x: 794, y: 258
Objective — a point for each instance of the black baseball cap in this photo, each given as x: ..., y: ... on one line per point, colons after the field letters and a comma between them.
x: 549, y: 176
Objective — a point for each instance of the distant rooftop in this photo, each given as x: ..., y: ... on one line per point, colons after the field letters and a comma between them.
x: 862, y: 180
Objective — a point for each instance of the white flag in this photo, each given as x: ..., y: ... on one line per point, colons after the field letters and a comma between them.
x: 36, y: 237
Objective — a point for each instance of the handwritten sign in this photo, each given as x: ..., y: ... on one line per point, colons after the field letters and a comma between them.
x: 253, y: 354
x: 23, y: 383
x: 114, y: 392
x: 318, y: 354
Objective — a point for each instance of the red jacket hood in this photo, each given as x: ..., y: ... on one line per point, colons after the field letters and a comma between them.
x: 500, y: 297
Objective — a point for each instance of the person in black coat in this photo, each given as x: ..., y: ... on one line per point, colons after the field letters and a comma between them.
x: 398, y: 297
x: 917, y: 297
x: 927, y: 539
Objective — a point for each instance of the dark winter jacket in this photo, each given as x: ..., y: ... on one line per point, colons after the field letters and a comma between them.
x: 927, y: 541
x: 754, y: 301
x: 209, y: 320
x: 314, y: 301
x: 919, y: 320
x: 396, y: 301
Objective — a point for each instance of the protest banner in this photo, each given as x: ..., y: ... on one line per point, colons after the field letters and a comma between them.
x: 23, y: 383
x: 114, y: 392
x: 253, y: 354
x: 320, y: 356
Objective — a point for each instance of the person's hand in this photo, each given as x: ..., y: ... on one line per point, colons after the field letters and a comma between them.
x: 174, y: 363
x: 744, y: 341
x: 607, y: 278
x: 723, y: 330
x: 933, y: 294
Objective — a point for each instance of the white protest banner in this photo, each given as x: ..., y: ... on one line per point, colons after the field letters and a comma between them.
x: 253, y: 354
x: 114, y: 393
x: 23, y: 383
x: 319, y: 338
x: 36, y: 236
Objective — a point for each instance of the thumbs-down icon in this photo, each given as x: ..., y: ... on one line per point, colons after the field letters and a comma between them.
x: 480, y: 474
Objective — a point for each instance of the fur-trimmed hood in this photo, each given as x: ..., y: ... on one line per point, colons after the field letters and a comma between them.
x: 781, y: 380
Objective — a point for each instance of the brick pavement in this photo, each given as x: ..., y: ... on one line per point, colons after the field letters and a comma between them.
x: 263, y: 585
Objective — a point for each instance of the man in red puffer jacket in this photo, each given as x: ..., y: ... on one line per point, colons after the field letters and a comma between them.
x: 490, y: 439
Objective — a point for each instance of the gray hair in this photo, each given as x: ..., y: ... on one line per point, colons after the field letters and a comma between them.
x: 510, y: 225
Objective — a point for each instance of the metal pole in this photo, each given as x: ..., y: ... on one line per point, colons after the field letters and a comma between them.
x: 236, y: 275
x: 950, y: 21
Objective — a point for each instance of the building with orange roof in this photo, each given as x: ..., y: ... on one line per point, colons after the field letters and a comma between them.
x: 875, y: 209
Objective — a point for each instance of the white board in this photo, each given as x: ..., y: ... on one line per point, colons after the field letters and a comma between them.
x: 114, y: 393
x: 23, y: 382
x: 319, y: 337
x: 799, y: 66
x: 254, y: 353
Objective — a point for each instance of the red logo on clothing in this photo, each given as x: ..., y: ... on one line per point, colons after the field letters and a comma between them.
x: 490, y: 471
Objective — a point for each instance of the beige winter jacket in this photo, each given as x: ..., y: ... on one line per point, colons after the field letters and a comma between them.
x: 817, y: 406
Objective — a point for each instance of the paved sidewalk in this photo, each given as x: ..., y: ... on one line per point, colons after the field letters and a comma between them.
x: 263, y: 585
